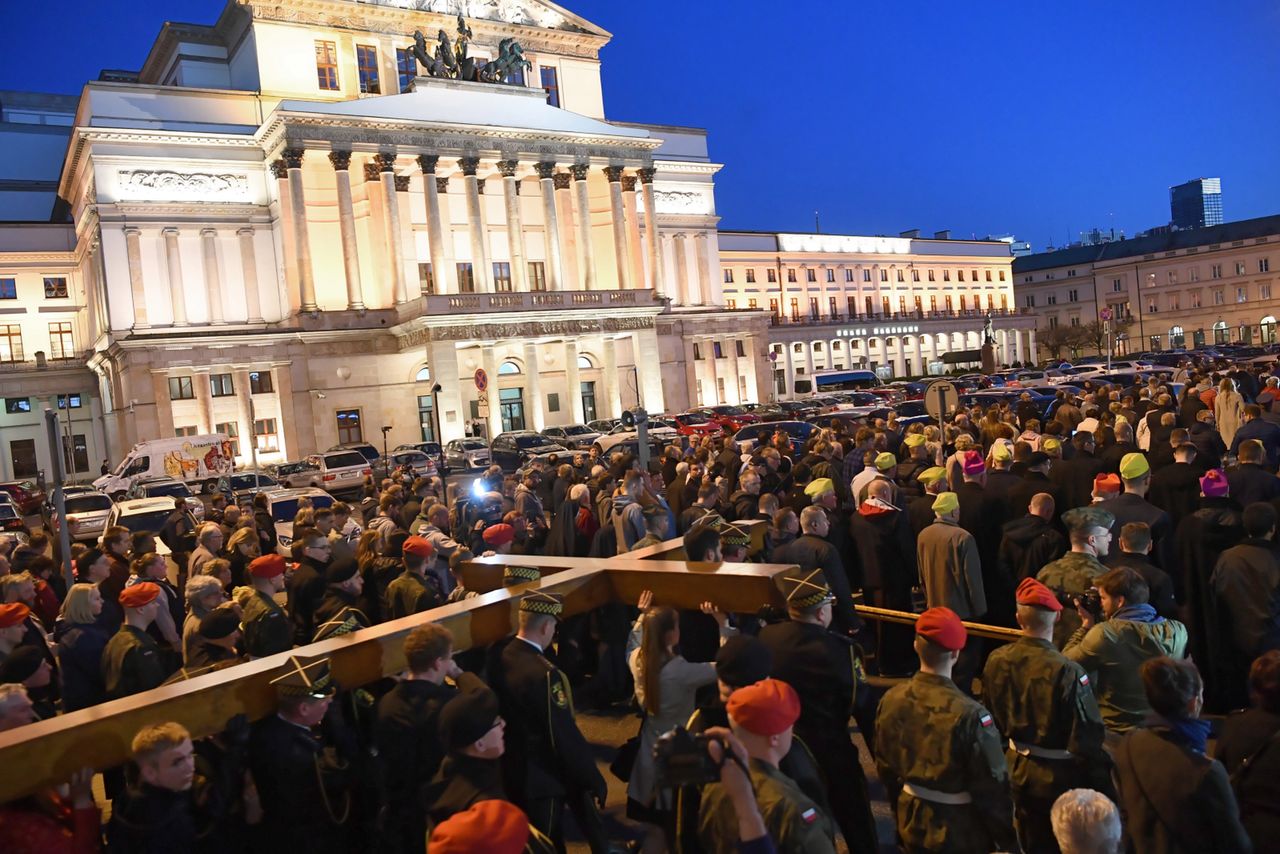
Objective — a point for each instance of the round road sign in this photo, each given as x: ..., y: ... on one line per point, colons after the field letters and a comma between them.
x: 482, y: 379
x: 941, y: 398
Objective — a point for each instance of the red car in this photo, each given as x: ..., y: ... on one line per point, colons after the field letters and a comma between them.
x: 25, y: 494
x: 695, y: 424
x: 731, y: 418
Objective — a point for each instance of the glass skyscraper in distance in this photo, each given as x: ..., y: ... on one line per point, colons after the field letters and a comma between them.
x: 1196, y: 204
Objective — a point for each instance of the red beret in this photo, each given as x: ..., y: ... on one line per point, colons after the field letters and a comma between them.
x: 13, y: 614
x: 768, y: 707
x: 139, y: 595
x: 497, y: 827
x: 267, y: 566
x: 1032, y: 592
x: 499, y: 535
x: 943, y: 627
x: 419, y: 546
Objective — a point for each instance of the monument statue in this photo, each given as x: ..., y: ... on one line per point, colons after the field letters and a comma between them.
x: 451, y: 60
x: 988, y: 334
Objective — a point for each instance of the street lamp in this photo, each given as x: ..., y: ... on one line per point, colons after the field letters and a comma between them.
x: 435, y: 412
x: 386, y: 457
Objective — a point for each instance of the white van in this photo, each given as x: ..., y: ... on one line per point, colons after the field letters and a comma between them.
x: 195, y: 460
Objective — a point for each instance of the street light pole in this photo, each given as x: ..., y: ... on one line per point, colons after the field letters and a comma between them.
x: 435, y: 413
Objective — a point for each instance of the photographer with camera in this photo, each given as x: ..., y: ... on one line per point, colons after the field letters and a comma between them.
x: 761, y: 717
x: 1115, y: 638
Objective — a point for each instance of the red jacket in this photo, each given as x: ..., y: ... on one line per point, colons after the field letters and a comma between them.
x: 48, y: 824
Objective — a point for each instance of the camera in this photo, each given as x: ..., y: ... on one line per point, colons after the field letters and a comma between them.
x: 1090, y: 600
x: 682, y: 759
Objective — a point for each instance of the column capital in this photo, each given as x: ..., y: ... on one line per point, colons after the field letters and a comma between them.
x: 427, y: 163
x: 579, y: 171
x: 480, y: 186
x: 246, y: 231
x: 442, y: 184
x: 341, y: 160
x: 279, y: 169
x: 545, y: 170
x: 613, y: 174
x: 293, y: 157
x: 385, y: 161
x: 562, y: 180
x: 402, y: 183
x: 170, y: 232
x: 132, y: 231
x: 629, y: 183
x: 646, y: 174
x: 508, y: 168
x: 468, y: 165
x: 371, y: 171
x: 208, y: 232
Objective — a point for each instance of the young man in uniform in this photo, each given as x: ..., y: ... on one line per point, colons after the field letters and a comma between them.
x: 267, y: 629
x: 1073, y: 574
x: 412, y: 592
x: 131, y: 661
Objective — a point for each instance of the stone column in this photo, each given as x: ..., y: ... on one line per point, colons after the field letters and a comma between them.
x: 204, y: 396
x: 1002, y: 337
x: 386, y: 163
x: 551, y: 229
x: 568, y: 234
x: 1017, y: 346
x: 533, y: 386
x: 442, y: 356
x: 919, y: 364
x: 651, y: 231
x: 619, y: 222
x: 749, y: 343
x: 635, y: 253
x: 480, y: 271
x: 249, y: 274
x: 212, y: 274
x: 341, y: 161
x: 690, y: 374
x: 789, y: 367
x: 133, y: 252
x: 574, y: 380
x: 448, y: 282
x: 515, y: 228
x: 435, y: 228
x: 586, y: 251
x: 711, y: 391
x: 244, y: 415
x: 1032, y: 354
x: 609, y: 373
x: 899, y: 359
x: 301, y: 241
x: 176, y: 295
x: 702, y: 256
x: 644, y: 347
x: 164, y: 405
x: 290, y: 444
x: 733, y: 381
x: 489, y: 361
x: 682, y: 295
x: 288, y: 251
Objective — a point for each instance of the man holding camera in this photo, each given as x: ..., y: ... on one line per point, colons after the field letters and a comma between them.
x: 1073, y: 574
x: 762, y: 717
x: 1114, y: 644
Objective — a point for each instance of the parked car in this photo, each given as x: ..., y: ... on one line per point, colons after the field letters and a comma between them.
x: 572, y: 436
x: 663, y: 429
x: 166, y: 487
x: 695, y: 424
x: 145, y: 514
x: 366, y: 450
x: 512, y: 449
x: 466, y: 454
x: 11, y: 521
x: 26, y: 495
x: 297, y: 473
x: 338, y: 471
x: 419, y: 462
x: 432, y: 450
x: 731, y: 418
x: 604, y: 425
x: 282, y: 504
x: 87, y: 512
x: 797, y: 409
x: 754, y: 434
x: 239, y: 488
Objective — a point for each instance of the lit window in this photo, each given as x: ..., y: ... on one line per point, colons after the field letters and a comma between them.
x: 327, y: 65
x: 751, y: 275
x: 265, y: 435
x: 537, y: 276
x: 231, y: 430
x: 55, y: 287
x: 367, y: 64
x: 406, y: 68
x: 260, y: 382
x: 10, y: 342
x: 8, y: 289
x: 502, y: 276
x: 551, y: 85
x: 426, y: 281
x: 62, y: 343
x: 180, y: 388
x: 508, y: 368
x: 349, y: 427
x: 221, y: 385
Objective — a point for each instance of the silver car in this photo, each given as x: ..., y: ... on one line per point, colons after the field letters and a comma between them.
x: 466, y: 454
x: 87, y: 513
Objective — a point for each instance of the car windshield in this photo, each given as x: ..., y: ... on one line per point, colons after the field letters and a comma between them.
x: 151, y: 522
x: 532, y: 441
x: 350, y: 458
x: 430, y: 448
x: 910, y: 409
x: 577, y: 430
x: 416, y: 458
x: 8, y: 511
x: 175, y: 489
x: 285, y: 509
x: 693, y: 418
x: 88, y: 503
x: 473, y: 445
x: 729, y: 410
x: 247, y: 481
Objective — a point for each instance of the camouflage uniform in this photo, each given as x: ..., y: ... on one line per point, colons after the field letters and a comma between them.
x: 266, y: 628
x: 939, y: 756
x: 1043, y: 702
x: 1072, y: 574
x: 795, y: 823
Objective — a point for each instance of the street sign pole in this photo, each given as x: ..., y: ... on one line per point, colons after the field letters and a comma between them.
x: 59, y: 497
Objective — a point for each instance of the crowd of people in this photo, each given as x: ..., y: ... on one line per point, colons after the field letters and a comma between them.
x: 1127, y: 536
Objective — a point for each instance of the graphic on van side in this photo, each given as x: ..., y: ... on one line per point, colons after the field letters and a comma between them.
x: 184, y: 463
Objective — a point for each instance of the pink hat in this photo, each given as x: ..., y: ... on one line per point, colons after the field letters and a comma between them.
x: 1214, y: 484
x: 971, y: 463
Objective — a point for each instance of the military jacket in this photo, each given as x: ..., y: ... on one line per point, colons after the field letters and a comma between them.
x: 795, y: 823
x: 266, y: 627
x: 929, y: 734
x: 409, y: 594
x: 131, y: 663
x: 1072, y: 574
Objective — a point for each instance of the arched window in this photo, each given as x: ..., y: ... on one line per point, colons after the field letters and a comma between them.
x: 1220, y: 334
x: 584, y: 363
x: 1176, y: 337
x: 507, y: 368
x: 1268, y: 325
x: 424, y: 375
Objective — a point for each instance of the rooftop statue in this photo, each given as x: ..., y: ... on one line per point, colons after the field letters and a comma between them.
x: 451, y: 60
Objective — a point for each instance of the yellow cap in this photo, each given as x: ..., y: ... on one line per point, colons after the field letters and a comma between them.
x: 1133, y: 466
x: 818, y: 487
x: 914, y: 440
x: 886, y: 461
x: 1051, y: 444
x: 945, y: 503
x: 1000, y: 451
x: 932, y: 475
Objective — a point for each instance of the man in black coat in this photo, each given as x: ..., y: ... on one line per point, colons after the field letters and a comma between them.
x: 982, y: 515
x: 305, y: 586
x: 1250, y: 481
x: 1175, y: 487
x: 472, y: 734
x: 1208, y: 441
x: 811, y: 551
x: 1135, y: 545
x: 1122, y: 447
x: 1034, y: 481
x: 886, y: 553
x: 1132, y: 506
x: 1257, y: 428
x: 1001, y: 481
x: 1030, y: 542
x: 1074, y: 477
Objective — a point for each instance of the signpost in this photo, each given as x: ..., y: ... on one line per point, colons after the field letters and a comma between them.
x: 59, y: 497
x: 482, y: 379
x: 941, y: 398
x: 1105, y: 314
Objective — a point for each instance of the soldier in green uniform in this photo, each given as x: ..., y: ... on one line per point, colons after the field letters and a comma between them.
x: 939, y: 753
x: 267, y: 629
x: 1043, y: 702
x: 413, y: 591
x: 131, y: 661
x: 1074, y: 573
x: 762, y: 716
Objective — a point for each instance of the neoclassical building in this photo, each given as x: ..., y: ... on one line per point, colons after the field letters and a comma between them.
x: 279, y: 229
x: 898, y: 305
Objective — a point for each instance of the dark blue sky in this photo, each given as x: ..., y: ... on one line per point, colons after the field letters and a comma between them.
x: 1042, y: 119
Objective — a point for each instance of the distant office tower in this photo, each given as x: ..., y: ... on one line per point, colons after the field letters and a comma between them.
x: 1196, y: 203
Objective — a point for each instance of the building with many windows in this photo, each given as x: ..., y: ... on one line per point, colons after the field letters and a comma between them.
x: 1196, y: 204
x: 279, y: 230
x: 898, y: 305
x: 1177, y: 289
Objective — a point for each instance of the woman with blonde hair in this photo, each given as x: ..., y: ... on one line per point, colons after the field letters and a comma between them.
x: 1228, y: 410
x: 80, y: 641
x: 243, y: 547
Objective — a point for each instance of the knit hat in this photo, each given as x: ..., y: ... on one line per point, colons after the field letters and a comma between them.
x: 1214, y: 484
x: 768, y: 707
x: 942, y: 627
x: 972, y: 463
x: 743, y: 660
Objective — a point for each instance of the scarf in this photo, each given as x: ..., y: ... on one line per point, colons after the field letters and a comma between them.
x: 1138, y: 614
x: 1193, y: 732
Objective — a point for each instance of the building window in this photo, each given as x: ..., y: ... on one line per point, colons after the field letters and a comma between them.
x: 190, y: 430
x: 1242, y: 294
x: 717, y: 350
x: 933, y: 303
x: 180, y: 388
x: 8, y: 288
x: 959, y: 275
x: 10, y: 343
x: 832, y: 310
x: 731, y: 304
x: 17, y: 405
x: 349, y: 429
x: 931, y: 276
x: 752, y: 303
x: 508, y: 368
x: 1239, y: 268
x: 866, y: 275
x: 771, y: 275
x: 367, y: 63
x: 231, y: 430
x: 811, y: 275
x: 1215, y: 271
x: 466, y: 278
x: 537, y: 276
x: 973, y: 275
x: 1029, y: 300
x: 946, y: 275
x: 1171, y: 277
x: 1193, y: 274
x: 55, y: 287
x: 795, y: 308
x: 1075, y: 320
x: 1175, y: 302
x: 72, y: 400
x: 848, y: 274
x: 1002, y: 275
x: 62, y: 344
x: 851, y: 303
x: 260, y: 382
x: 327, y: 65
x: 751, y: 275
x: 773, y: 307
x: 1264, y: 265
x: 988, y: 272
x: 900, y: 279
x: 551, y: 85
x: 728, y: 276
x: 791, y: 275
x: 406, y: 68
x: 502, y: 276
x: 884, y: 275
x: 948, y: 303
x: 221, y: 385
x: 964, y: 303
x: 1195, y: 299
x: 266, y: 436
x: 1052, y: 299
x: 426, y: 279
x: 425, y: 422
x: 738, y: 348
x: 1004, y: 302
x: 697, y: 352
x: 813, y: 308
x: 1072, y: 295
x: 915, y: 275
x: 1264, y: 292
x: 1219, y: 297
x: 868, y: 310
x: 1053, y: 321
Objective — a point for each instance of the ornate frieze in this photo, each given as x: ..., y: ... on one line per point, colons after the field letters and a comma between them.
x: 169, y: 185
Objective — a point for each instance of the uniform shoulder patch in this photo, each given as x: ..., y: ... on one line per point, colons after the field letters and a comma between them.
x: 985, y: 720
x: 809, y: 816
x: 558, y: 695
x: 1084, y: 679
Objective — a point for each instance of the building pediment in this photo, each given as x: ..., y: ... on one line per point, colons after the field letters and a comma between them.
x: 521, y: 13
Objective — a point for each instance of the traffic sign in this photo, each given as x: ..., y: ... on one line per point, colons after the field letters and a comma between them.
x: 1105, y: 314
x: 482, y: 379
x: 941, y: 398
x: 773, y: 355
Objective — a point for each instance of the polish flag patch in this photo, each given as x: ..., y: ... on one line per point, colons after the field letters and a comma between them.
x: 810, y: 815
x: 1084, y: 679
x: 985, y: 720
